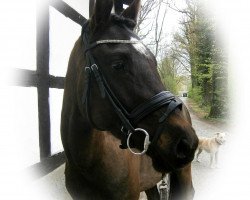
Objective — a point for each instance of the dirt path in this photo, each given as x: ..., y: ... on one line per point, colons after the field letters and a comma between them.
x: 203, y: 175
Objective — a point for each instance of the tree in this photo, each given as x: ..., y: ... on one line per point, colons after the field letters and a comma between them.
x: 198, y: 52
x: 150, y: 25
x: 167, y: 72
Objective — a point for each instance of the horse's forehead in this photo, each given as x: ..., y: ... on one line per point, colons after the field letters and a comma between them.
x: 140, y: 47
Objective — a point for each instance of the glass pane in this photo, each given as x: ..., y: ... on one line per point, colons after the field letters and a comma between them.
x: 63, y: 35
x: 19, y: 145
x: 56, y: 97
x: 18, y: 34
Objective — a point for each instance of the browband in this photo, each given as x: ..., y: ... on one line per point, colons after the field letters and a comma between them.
x: 94, y: 44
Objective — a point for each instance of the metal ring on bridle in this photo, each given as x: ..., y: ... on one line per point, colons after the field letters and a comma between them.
x: 146, y: 141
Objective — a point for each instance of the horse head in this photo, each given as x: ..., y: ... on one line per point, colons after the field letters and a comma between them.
x: 122, y: 78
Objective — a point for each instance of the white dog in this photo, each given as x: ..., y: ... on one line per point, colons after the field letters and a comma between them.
x: 211, y: 145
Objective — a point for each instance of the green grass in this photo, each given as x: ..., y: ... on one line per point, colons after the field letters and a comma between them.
x: 203, y: 111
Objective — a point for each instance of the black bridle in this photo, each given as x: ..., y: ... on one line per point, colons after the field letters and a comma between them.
x: 129, y: 120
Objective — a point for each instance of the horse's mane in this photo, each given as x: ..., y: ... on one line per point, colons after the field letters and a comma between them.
x: 123, y: 21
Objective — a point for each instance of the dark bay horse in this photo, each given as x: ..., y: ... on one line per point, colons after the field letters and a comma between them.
x: 113, y: 94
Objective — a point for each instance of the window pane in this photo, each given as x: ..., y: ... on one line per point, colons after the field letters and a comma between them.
x: 63, y: 35
x: 18, y: 34
x: 19, y: 145
x: 56, y: 97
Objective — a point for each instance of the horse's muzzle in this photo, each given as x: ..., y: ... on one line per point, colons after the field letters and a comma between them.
x: 185, y: 150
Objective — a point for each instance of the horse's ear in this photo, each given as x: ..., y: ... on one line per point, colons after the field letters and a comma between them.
x: 101, y: 13
x: 132, y: 11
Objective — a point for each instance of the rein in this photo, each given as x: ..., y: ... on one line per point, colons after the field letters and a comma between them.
x: 128, y: 120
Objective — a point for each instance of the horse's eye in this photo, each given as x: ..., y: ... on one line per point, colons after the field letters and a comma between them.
x: 118, y: 66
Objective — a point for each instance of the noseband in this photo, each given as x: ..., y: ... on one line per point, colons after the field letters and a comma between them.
x: 129, y: 120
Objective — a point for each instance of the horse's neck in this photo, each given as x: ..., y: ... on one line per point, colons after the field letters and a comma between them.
x: 119, y: 162
x: 149, y: 177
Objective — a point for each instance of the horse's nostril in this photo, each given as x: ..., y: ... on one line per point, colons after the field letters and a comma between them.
x: 183, y: 149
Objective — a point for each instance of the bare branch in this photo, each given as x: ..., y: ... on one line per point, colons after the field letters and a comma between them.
x: 183, y: 65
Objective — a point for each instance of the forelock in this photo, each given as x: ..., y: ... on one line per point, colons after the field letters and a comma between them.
x: 123, y: 21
